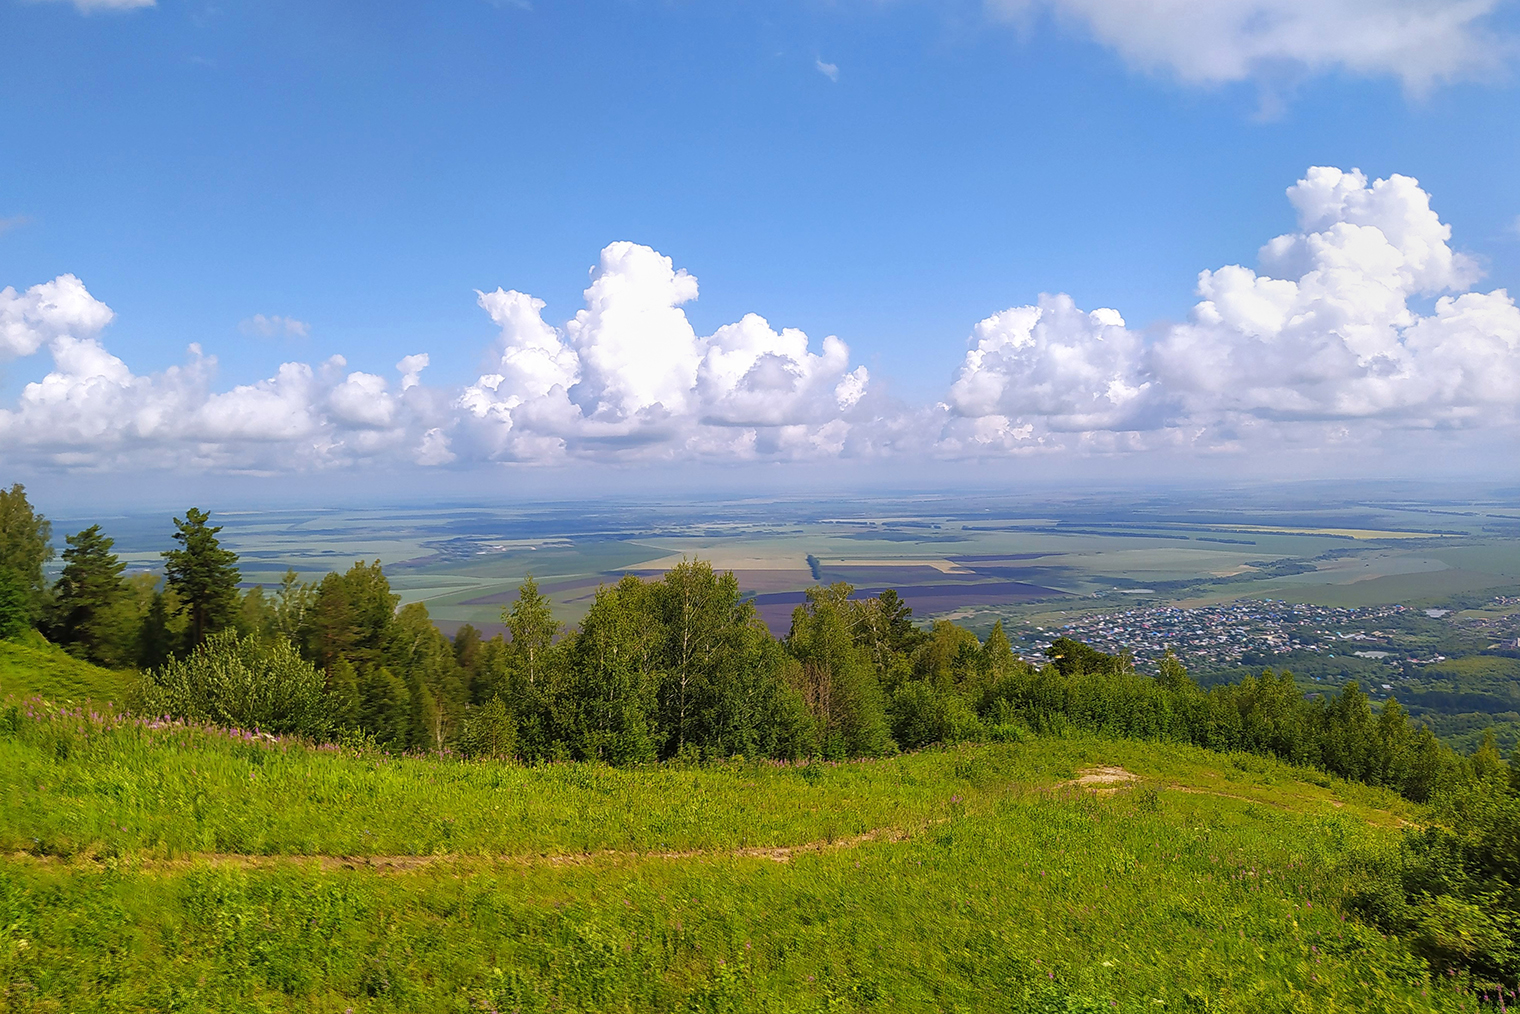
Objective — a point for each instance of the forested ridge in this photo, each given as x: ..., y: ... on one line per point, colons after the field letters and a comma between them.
x: 682, y: 668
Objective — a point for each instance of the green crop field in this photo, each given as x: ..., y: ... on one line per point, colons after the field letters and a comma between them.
x: 169, y: 868
x: 972, y: 558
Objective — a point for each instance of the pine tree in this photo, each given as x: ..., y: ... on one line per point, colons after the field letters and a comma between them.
x: 385, y: 706
x: 87, y: 597
x: 467, y: 652
x: 203, y: 574
x: 349, y: 616
x: 155, y: 640
x: 343, y: 694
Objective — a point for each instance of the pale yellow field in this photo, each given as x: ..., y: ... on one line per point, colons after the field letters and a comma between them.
x: 1350, y: 533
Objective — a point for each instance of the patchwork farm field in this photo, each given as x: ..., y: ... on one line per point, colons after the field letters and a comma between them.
x: 172, y: 868
x: 974, y: 558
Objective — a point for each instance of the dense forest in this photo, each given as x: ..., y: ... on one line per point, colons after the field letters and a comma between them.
x: 681, y: 668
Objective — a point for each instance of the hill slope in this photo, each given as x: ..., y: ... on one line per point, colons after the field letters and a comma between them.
x: 36, y: 668
x: 173, y: 868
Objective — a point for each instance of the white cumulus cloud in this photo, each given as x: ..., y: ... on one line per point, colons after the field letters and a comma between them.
x: 91, y: 410
x: 1075, y: 371
x: 1363, y: 327
x: 1324, y: 335
x: 411, y: 368
x: 1327, y: 329
x: 47, y: 311
x: 629, y: 373
x: 1420, y: 42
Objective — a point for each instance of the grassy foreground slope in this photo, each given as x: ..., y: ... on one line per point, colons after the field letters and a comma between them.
x: 35, y: 668
x: 175, y: 869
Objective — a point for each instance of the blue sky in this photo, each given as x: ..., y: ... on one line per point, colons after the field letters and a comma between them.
x: 888, y: 172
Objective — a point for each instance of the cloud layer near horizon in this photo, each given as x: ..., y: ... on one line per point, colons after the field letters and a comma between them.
x: 1358, y: 329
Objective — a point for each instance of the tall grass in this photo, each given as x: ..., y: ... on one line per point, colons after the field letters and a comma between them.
x: 1213, y: 884
x: 1040, y: 903
x: 109, y: 784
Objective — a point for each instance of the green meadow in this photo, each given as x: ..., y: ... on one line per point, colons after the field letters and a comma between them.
x: 152, y: 867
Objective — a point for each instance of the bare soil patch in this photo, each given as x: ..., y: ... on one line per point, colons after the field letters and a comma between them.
x: 1102, y: 779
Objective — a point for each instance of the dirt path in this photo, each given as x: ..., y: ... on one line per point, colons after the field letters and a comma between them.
x: 407, y: 864
x: 1100, y: 780
x: 1394, y: 819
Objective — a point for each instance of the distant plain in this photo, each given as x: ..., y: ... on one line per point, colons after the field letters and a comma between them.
x: 970, y: 557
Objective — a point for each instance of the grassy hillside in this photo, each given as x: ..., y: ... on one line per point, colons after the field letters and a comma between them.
x: 167, y: 868
x: 35, y: 668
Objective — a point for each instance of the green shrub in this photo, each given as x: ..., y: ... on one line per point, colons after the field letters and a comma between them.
x: 490, y: 732
x: 245, y: 683
x: 1452, y: 933
x: 1454, y: 888
x: 961, y: 723
x: 1007, y: 732
x: 918, y: 717
x: 15, y: 609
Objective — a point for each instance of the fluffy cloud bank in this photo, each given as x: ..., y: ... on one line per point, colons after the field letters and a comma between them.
x: 92, y: 411
x: 627, y: 378
x: 1359, y: 330
x: 630, y: 373
x: 1420, y: 42
x: 1324, y: 339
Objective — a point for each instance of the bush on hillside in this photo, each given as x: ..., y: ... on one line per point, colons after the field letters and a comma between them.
x: 1454, y: 891
x: 15, y: 609
x: 245, y: 683
x: 490, y: 732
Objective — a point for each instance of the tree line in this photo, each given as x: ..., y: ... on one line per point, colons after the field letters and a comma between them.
x: 96, y: 612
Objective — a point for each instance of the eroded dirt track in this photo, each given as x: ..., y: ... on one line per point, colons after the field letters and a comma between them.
x: 410, y: 863
x: 1099, y: 780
